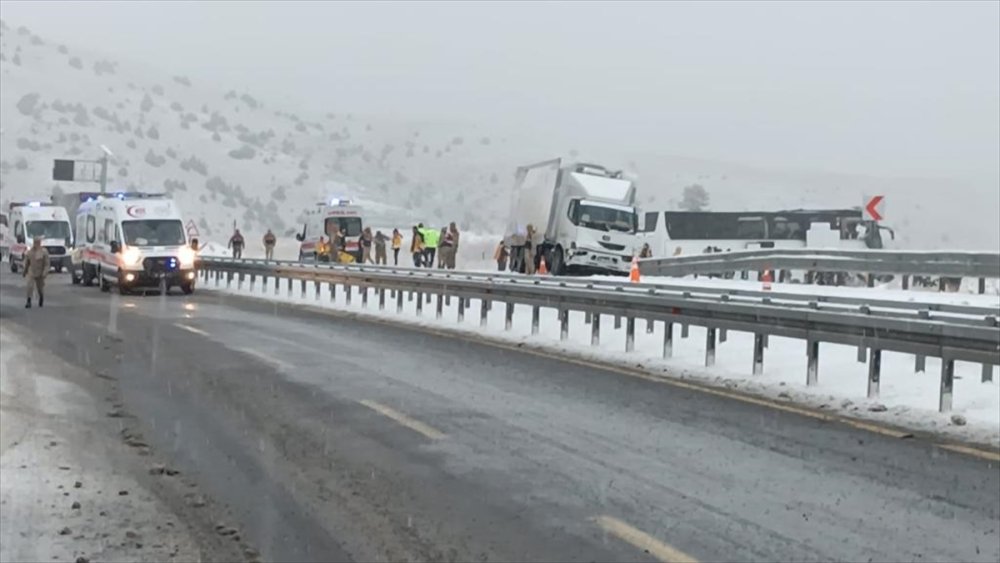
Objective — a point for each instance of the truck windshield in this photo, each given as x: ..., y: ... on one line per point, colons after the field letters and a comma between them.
x: 605, y: 218
x: 47, y: 229
x: 153, y: 232
x: 348, y: 226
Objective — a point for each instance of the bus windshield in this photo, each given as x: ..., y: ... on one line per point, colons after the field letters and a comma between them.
x: 47, y: 229
x: 153, y: 232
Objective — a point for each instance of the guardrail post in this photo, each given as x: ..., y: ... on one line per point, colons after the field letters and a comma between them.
x: 982, y: 286
x: 684, y: 330
x: 812, y: 367
x: 263, y: 284
x: 239, y: 282
x: 289, y: 287
x: 253, y: 278
x: 381, y: 299
x: 317, y: 288
x: 509, y: 316
x: 447, y: 300
x: 709, y: 346
x: 333, y: 292
x: 862, y: 354
x: 906, y: 282
x: 871, y: 280
x: 758, y: 354
x: 595, y: 329
x: 618, y: 322
x: 587, y: 317
x: 363, y: 289
x: 399, y: 300
x: 484, y: 309
x: 920, y: 364
x: 440, y: 307
x: 229, y: 280
x: 535, y: 313
x: 947, y: 384
x: 563, y: 324
x: 987, y: 374
x: 874, y: 372
x: 723, y: 335
x: 428, y: 298
x: 668, y: 339
x: 649, y: 326
x: 629, y: 334
x: 420, y: 304
x: 302, y: 288
x: 461, y: 309
x: 409, y: 297
x: 347, y: 293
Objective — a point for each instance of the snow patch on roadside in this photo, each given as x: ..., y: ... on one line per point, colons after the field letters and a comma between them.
x: 910, y: 399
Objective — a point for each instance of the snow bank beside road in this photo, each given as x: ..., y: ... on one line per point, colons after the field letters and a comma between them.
x: 63, y: 494
x: 909, y: 399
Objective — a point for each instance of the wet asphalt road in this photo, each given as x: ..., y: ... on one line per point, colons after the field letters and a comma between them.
x: 334, y: 438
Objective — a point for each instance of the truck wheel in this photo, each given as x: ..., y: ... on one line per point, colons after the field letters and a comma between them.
x: 558, y: 262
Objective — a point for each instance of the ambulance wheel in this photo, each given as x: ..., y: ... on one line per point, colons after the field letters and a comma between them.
x: 58, y: 268
x: 74, y: 279
x: 13, y: 265
x: 88, y: 277
x: 187, y: 288
x: 105, y: 286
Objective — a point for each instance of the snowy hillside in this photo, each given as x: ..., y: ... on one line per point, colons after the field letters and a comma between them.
x: 229, y: 156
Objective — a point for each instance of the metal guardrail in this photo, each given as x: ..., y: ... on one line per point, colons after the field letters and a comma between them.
x: 952, y: 333
x: 907, y: 263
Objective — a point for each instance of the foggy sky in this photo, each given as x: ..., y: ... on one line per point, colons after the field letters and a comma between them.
x: 895, y: 88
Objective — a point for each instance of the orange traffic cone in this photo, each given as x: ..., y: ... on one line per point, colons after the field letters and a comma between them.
x: 767, y: 278
x: 542, y: 268
x: 633, y: 274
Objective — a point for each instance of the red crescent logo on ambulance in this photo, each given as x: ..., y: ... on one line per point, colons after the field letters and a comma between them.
x: 135, y: 211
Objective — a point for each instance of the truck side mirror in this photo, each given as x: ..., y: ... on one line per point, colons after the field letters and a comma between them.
x: 20, y: 239
x: 194, y: 244
x: 299, y: 237
x: 115, y: 247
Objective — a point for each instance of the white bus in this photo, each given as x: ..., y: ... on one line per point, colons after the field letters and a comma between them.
x: 682, y: 233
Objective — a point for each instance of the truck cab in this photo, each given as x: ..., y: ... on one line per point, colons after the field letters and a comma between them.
x: 584, y: 217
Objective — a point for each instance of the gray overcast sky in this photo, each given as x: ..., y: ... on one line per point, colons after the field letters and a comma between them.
x: 893, y: 88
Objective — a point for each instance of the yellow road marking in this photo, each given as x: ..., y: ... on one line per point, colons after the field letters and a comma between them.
x: 406, y: 421
x: 643, y: 541
x: 191, y: 329
x: 704, y: 388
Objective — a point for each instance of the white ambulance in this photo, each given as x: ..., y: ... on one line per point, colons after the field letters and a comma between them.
x: 135, y: 241
x: 337, y: 214
x: 33, y: 219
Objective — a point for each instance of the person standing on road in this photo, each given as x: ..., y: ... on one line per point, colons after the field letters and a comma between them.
x: 529, y: 251
x: 36, y: 269
x: 269, y: 241
x: 397, y: 243
x: 500, y: 256
x: 453, y: 229
x: 444, y: 248
x: 236, y: 242
x: 417, y: 248
x: 431, y: 239
x: 380, y: 240
x: 366, y: 246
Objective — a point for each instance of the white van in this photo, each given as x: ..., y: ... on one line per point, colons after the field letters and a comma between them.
x: 135, y: 241
x: 340, y: 215
x: 38, y: 219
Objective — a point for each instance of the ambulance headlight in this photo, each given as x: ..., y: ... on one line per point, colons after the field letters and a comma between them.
x: 187, y: 256
x: 131, y: 256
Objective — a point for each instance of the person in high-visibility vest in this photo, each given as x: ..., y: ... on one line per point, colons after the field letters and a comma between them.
x: 397, y: 243
x: 431, y: 238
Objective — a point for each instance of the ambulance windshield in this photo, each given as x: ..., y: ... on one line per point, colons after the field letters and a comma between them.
x: 154, y: 232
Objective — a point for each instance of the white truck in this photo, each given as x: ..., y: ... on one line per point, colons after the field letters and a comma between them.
x: 583, y: 217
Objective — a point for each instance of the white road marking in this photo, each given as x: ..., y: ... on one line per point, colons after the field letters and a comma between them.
x: 643, y: 541
x: 191, y: 329
x: 406, y: 421
x: 279, y: 364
